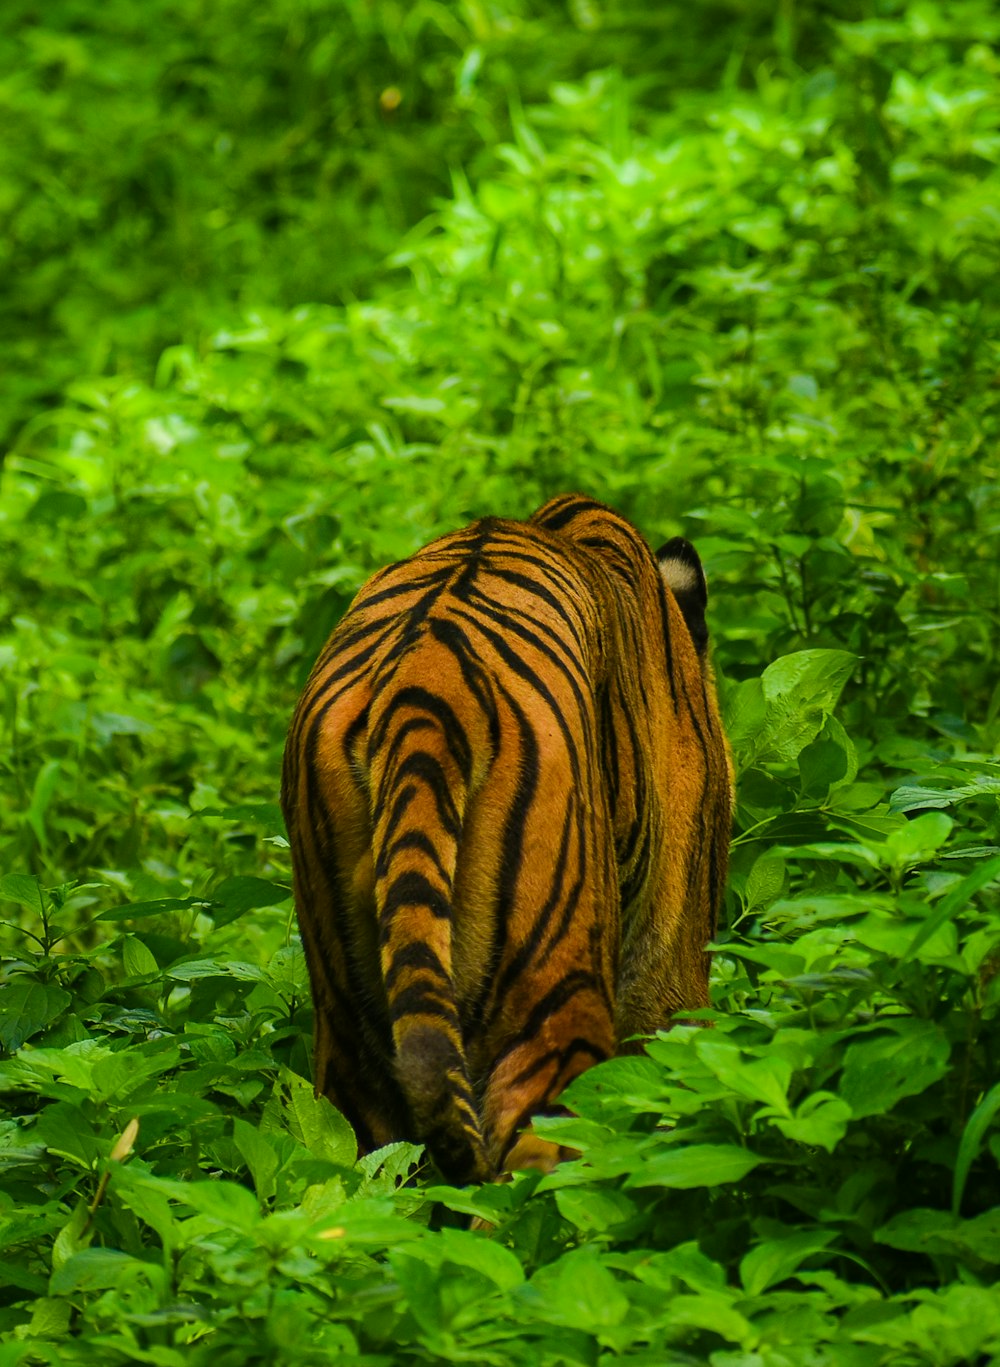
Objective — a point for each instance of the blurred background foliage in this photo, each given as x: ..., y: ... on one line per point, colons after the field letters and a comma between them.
x: 287, y: 291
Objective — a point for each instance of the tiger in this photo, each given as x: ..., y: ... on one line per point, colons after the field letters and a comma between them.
x: 507, y: 792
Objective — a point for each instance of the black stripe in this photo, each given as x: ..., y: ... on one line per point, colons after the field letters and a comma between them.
x: 569, y: 986
x: 423, y: 700
x: 411, y: 889
x: 409, y: 840
x: 417, y: 955
x: 418, y: 764
x: 565, y: 512
x: 422, y: 999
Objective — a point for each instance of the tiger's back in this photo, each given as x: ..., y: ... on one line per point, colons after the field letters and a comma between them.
x: 507, y: 793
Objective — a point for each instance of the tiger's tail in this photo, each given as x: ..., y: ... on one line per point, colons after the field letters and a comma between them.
x: 420, y: 772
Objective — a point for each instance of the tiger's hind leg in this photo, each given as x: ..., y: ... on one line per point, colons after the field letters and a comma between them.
x: 571, y: 1028
x: 550, y: 1015
x: 326, y: 812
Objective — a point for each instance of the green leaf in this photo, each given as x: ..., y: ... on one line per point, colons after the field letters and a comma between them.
x: 236, y: 896
x: 694, y: 1165
x: 265, y: 814
x: 317, y: 1124
x: 712, y: 1312
x: 592, y: 1209
x: 259, y: 1156
x: 776, y: 1260
x: 498, y: 1264
x: 50, y: 1318
x: 229, y: 1204
x: 918, y: 840
x: 74, y: 1064
x: 745, y: 714
x: 145, y: 1200
x: 95, y: 1269
x: 23, y: 888
x: 74, y: 1236
x: 122, y: 1074
x: 938, y: 1231
x: 138, y: 911
x: 27, y: 1007
x: 800, y: 691
x: 821, y: 1120
x: 971, y: 1142
x: 761, y: 1079
x: 911, y: 797
x: 881, y: 1071
x: 580, y: 1292
x: 216, y: 968
x: 138, y: 961
x: 46, y: 782
x: 765, y: 880
x: 953, y: 902
x: 827, y: 761
x: 685, y: 1263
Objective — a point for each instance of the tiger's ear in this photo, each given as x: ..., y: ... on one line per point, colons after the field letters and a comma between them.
x: 682, y: 573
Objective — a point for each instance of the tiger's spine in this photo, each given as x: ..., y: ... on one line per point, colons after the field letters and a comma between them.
x: 420, y: 762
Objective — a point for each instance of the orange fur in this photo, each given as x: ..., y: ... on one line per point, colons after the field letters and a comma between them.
x: 508, y: 796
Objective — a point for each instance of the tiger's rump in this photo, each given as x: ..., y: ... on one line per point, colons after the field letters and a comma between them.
x: 496, y: 786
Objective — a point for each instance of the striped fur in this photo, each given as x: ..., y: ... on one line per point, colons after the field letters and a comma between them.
x: 508, y: 797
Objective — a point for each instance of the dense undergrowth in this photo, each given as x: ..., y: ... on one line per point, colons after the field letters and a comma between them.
x: 290, y: 290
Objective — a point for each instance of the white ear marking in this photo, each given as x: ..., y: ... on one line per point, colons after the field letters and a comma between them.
x: 677, y: 575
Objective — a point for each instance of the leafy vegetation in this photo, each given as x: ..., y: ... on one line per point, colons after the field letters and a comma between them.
x: 289, y: 290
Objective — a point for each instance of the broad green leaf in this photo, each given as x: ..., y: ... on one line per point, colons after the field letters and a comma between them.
x: 235, y: 896
x: 821, y: 1121
x: 266, y: 814
x: 216, y: 968
x: 578, y: 1291
x: 765, y: 880
x: 594, y: 1210
x: 953, y: 902
x: 95, y: 1269
x: 122, y: 1074
x: 50, y: 1318
x: 369, y: 1222
x: 27, y: 1007
x: 712, y: 1312
x: 65, y: 1130
x: 694, y: 1165
x: 800, y: 691
x: 912, y: 796
x: 883, y: 1069
x: 891, y: 936
x: 75, y: 1065
x: 759, y: 1079
x: 146, y: 1201
x: 228, y: 1203
x: 776, y: 1260
x: 73, y: 1238
x: 937, y: 1231
x: 470, y: 1250
x: 918, y: 840
x: 317, y: 1124
x: 139, y: 911
x: 259, y: 1155
x: 24, y: 889
x: 137, y: 959
x: 745, y: 714
x: 827, y: 761
x: 685, y: 1263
